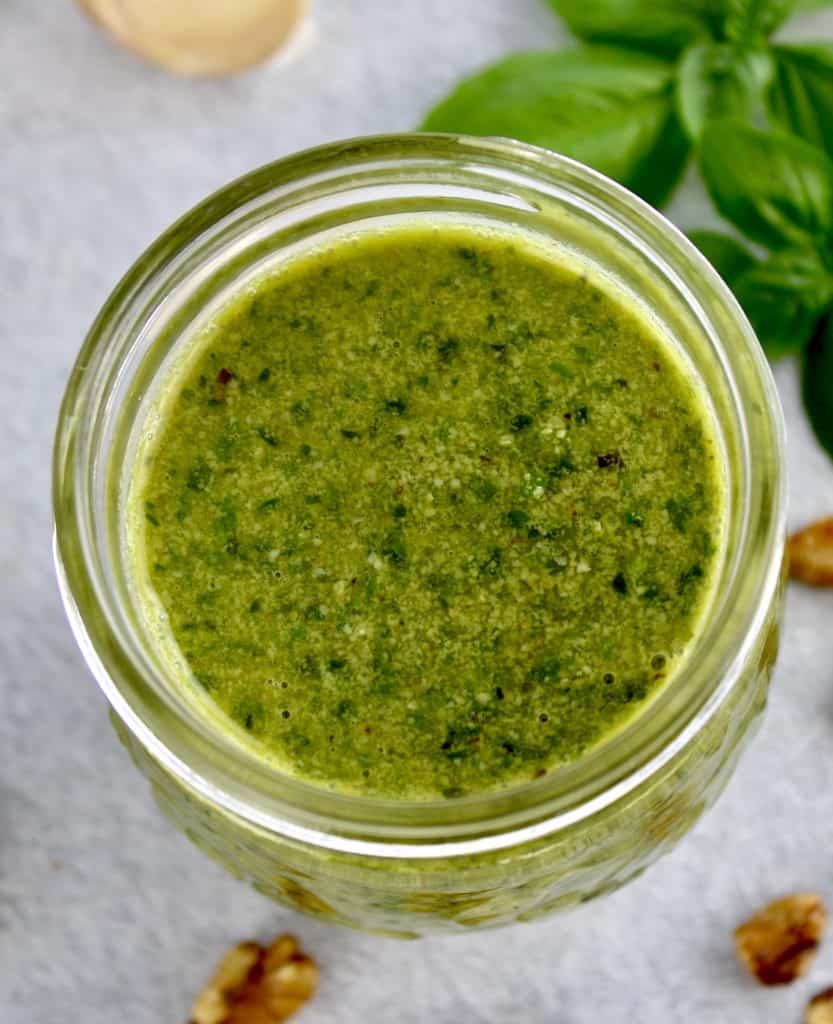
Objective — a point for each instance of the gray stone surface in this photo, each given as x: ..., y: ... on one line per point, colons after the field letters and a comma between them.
x: 106, y: 913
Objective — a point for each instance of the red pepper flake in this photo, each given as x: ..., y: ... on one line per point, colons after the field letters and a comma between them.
x: 223, y: 379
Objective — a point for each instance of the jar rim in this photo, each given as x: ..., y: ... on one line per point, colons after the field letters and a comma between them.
x: 216, y: 769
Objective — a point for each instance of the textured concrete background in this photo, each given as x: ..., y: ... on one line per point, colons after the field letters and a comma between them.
x: 106, y: 913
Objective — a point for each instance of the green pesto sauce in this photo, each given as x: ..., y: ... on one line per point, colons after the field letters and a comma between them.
x: 429, y: 512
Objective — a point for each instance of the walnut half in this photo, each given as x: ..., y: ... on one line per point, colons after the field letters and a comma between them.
x: 257, y: 985
x: 820, y: 1008
x: 811, y: 554
x: 779, y: 942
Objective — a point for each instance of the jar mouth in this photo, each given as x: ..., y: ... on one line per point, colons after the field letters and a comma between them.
x: 302, y: 197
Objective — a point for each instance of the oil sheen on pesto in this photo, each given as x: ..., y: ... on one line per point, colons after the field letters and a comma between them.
x: 430, y: 513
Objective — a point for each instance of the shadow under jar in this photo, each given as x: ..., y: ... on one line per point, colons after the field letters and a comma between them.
x: 396, y: 866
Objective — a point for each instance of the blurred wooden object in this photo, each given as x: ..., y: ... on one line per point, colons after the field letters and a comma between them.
x: 200, y: 37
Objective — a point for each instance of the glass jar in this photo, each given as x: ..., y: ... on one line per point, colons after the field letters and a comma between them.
x: 410, y: 868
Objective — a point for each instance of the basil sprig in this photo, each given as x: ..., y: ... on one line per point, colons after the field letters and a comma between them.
x: 634, y: 98
x: 655, y: 80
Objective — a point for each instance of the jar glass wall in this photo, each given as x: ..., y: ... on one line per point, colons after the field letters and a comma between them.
x: 408, y: 868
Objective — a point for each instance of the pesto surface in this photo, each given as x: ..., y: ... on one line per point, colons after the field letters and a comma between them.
x: 430, y: 513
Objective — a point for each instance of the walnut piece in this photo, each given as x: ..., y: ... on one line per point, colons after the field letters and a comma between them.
x: 811, y: 554
x: 779, y: 942
x: 257, y: 985
x: 820, y: 1008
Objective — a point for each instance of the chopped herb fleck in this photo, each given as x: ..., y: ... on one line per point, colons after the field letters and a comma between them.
x: 393, y: 548
x: 521, y: 422
x: 517, y: 518
x: 491, y: 567
x: 485, y: 490
x: 562, y: 466
x: 690, y: 576
x: 199, y: 475
x: 300, y: 412
x: 447, y: 349
x: 265, y: 434
x: 680, y: 512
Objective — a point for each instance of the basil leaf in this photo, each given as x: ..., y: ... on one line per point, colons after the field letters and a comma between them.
x: 609, y: 108
x: 752, y: 21
x: 817, y: 385
x: 801, y: 97
x: 784, y: 298
x: 775, y: 188
x: 728, y: 257
x: 714, y: 80
x: 663, y: 27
